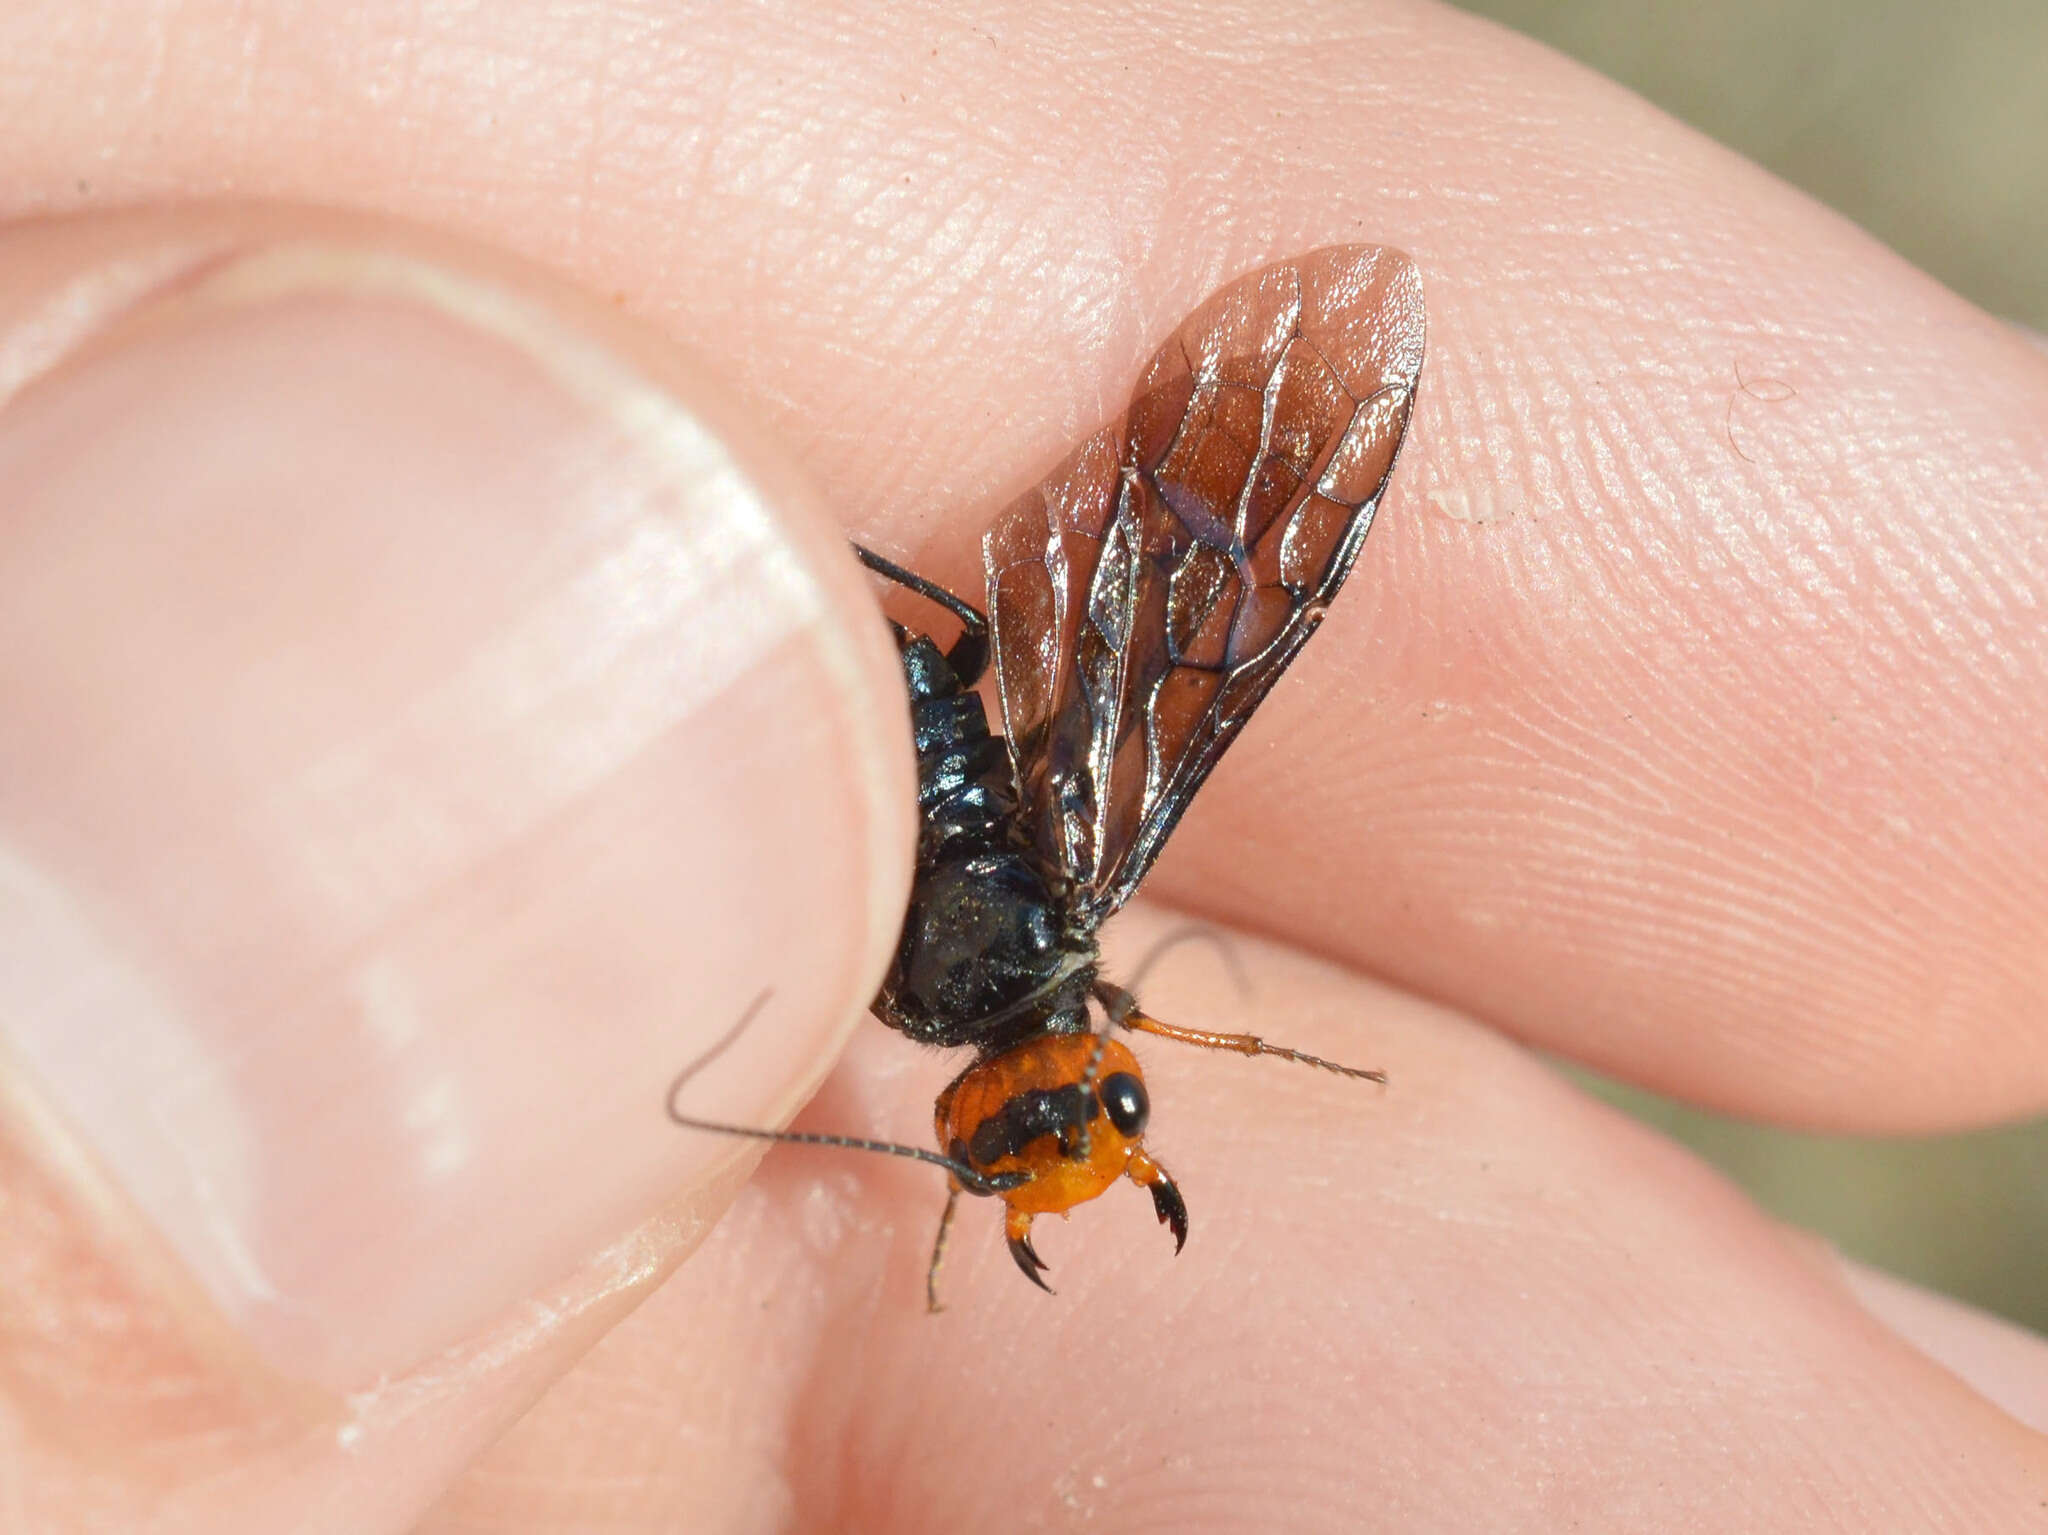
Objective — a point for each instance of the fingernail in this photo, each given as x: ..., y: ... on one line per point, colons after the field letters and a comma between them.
x: 425, y: 735
x: 2002, y: 1362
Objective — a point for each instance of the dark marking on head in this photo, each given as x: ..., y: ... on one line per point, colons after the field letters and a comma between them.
x: 1026, y: 1117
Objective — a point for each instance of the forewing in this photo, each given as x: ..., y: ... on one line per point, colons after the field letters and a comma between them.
x: 1147, y: 595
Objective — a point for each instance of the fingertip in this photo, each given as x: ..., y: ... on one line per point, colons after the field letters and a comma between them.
x: 438, y: 719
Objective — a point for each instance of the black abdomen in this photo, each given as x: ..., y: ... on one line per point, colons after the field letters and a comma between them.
x: 984, y: 929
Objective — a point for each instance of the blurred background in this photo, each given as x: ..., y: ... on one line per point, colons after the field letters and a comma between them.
x: 1928, y: 125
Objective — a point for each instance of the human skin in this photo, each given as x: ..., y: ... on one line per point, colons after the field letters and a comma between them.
x: 1685, y: 716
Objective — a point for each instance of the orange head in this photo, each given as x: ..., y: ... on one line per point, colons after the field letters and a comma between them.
x: 1050, y: 1124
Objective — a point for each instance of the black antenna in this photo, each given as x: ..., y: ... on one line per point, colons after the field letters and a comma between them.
x: 974, y: 1182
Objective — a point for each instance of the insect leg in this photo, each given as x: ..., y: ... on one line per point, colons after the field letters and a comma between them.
x: 931, y: 1273
x: 1123, y: 1009
x: 1167, y: 1204
x: 1017, y: 1229
x: 969, y: 655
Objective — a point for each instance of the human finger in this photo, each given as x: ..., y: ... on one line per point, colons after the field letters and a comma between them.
x: 1684, y: 713
x: 428, y: 719
x: 1476, y: 1300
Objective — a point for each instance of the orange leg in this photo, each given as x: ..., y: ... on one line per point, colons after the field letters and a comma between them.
x: 1242, y: 1044
x: 1017, y: 1227
x: 1166, y: 1201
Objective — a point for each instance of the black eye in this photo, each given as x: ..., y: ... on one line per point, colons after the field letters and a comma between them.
x: 1123, y: 1095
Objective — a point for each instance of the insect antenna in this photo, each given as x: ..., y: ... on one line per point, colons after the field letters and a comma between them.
x: 974, y: 1182
x: 1088, y: 1076
x: 1180, y: 938
x: 1118, y: 1004
x: 969, y: 653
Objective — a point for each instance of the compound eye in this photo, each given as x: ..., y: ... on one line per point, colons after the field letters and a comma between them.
x: 1123, y: 1096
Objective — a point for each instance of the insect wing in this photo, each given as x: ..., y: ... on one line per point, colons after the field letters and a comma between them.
x: 1149, y: 593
